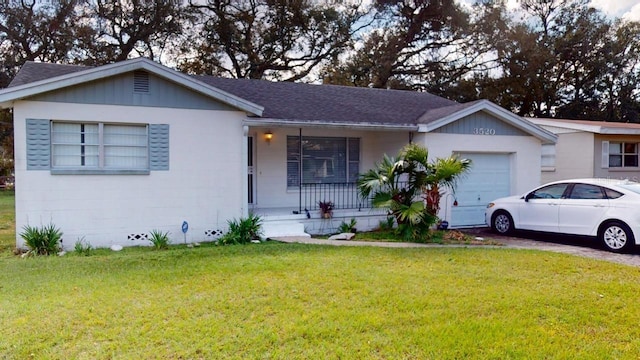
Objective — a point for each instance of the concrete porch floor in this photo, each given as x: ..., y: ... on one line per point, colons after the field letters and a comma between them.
x: 366, y: 219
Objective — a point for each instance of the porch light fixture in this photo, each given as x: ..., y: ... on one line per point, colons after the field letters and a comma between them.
x: 268, y: 136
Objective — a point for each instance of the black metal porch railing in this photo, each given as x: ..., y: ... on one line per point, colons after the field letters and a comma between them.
x: 342, y: 195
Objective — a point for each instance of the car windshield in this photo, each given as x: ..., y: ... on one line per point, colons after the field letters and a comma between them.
x: 635, y: 187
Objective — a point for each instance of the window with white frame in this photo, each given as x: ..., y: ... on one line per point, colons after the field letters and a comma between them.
x: 327, y: 160
x: 99, y: 146
x: 623, y: 154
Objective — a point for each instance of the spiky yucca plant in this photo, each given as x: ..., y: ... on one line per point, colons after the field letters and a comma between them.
x: 45, y: 240
x: 159, y: 239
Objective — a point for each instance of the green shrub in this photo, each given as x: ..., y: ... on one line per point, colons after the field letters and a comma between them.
x: 159, y: 239
x: 82, y: 247
x: 347, y: 227
x: 45, y: 240
x: 242, y: 231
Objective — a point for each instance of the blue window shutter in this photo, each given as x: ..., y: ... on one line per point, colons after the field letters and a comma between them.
x: 158, y: 147
x: 38, y: 144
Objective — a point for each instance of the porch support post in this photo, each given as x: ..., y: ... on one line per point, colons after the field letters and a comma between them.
x: 244, y: 172
x: 300, y: 171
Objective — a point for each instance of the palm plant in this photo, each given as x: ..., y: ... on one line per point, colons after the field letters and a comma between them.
x: 410, y: 186
x: 445, y: 173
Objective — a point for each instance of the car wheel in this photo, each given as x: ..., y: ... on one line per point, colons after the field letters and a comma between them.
x: 502, y: 223
x: 616, y: 236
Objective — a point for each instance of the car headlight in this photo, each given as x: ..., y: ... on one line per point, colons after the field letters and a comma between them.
x: 490, y: 205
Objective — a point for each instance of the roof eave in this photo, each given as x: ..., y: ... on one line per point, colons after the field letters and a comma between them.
x: 596, y: 129
x: 8, y: 95
x: 265, y: 122
x: 580, y: 127
x: 617, y: 131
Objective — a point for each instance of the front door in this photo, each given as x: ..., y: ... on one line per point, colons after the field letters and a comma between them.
x: 250, y: 171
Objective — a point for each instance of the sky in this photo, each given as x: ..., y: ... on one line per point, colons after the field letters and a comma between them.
x: 626, y: 9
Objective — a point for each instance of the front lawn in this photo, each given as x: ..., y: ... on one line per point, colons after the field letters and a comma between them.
x: 289, y: 301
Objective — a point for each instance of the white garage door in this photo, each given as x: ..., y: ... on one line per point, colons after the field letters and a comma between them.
x: 488, y: 179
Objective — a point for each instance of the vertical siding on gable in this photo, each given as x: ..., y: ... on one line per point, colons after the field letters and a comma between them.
x: 38, y: 144
x: 119, y: 90
x: 480, y: 123
x: 158, y: 147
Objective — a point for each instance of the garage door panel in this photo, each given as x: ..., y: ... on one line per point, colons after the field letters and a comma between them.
x: 488, y: 179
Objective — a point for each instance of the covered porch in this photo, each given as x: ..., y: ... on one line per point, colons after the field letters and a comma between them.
x: 292, y: 169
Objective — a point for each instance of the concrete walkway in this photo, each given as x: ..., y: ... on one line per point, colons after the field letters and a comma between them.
x: 573, y: 246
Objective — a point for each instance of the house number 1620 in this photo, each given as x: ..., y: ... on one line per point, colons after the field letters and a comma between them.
x: 484, y: 131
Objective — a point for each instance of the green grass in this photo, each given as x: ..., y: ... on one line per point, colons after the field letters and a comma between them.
x: 294, y: 301
x: 286, y: 301
x: 7, y: 222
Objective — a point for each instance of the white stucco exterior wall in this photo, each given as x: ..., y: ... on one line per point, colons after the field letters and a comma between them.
x: 202, y: 186
x: 573, y: 157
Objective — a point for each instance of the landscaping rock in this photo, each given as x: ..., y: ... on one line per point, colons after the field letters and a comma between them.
x: 342, y: 236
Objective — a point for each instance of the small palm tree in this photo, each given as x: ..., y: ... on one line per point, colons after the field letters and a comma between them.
x: 445, y: 173
x: 410, y: 186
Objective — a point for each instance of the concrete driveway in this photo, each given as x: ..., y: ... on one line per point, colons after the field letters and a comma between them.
x: 574, y: 245
x: 579, y: 246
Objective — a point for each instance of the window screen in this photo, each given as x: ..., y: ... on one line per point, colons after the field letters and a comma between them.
x: 322, y: 160
x: 99, y: 146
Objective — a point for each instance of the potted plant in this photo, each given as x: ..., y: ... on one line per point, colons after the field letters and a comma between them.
x: 326, y: 209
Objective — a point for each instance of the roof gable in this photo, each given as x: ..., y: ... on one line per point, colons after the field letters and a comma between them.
x: 138, y: 88
x: 431, y: 121
x: 481, y: 123
x: 72, y: 76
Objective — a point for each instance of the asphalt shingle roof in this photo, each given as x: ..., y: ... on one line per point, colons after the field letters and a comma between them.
x: 36, y: 71
x: 331, y: 103
x: 303, y: 102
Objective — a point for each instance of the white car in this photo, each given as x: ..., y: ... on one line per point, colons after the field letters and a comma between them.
x: 604, y: 208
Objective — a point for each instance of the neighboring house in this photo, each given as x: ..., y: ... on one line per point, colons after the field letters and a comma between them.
x: 588, y: 149
x: 112, y: 152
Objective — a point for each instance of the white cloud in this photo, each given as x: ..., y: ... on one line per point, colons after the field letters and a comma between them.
x: 616, y: 8
x: 633, y: 14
